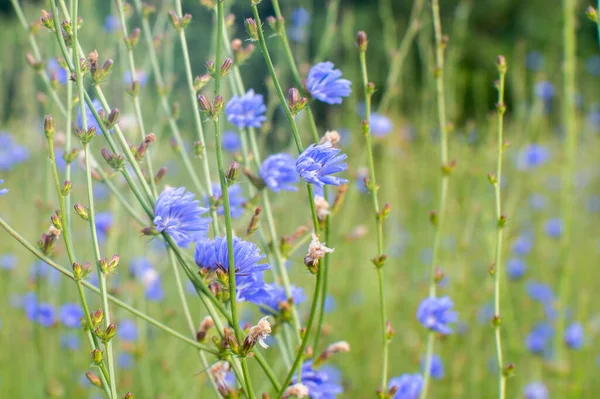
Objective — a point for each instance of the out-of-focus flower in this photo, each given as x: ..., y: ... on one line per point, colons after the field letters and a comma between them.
x: 103, y: 221
x: 380, y: 125
x: 140, y: 76
x: 231, y: 141
x: 318, y: 163
x: 554, y: 227
x: 236, y: 200
x: 436, y: 314
x: 127, y: 330
x: 180, y: 216
x: 544, y: 90
x: 592, y: 65
x: 112, y: 24
x: 574, y: 336
x: 3, y: 190
x: 536, y: 390
x: 90, y: 120
x: 277, y: 296
x: 326, y: 84
x: 540, y: 292
x: 532, y: 156
x: 7, y: 261
x: 534, y: 60
x: 11, y: 153
x: 321, y: 383
x: 515, y: 268
x: 522, y: 245
x: 538, y: 340
x: 279, y: 173
x: 436, y: 369
x: 408, y: 386
x: 55, y: 71
x: 300, y: 19
x: 70, y: 341
x: 70, y: 315
x: 247, y: 110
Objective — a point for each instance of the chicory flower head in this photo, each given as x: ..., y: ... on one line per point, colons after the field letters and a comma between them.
x: 11, y: 153
x: 536, y: 390
x: 325, y: 84
x: 55, y: 71
x: 180, y: 216
x: 247, y: 110
x: 436, y: 313
x: 277, y: 295
x: 319, y: 162
x: 231, y: 141
x: 236, y: 200
x: 380, y: 125
x: 279, y: 173
x: 532, y: 156
x: 70, y: 315
x: 322, y: 382
x: 89, y: 116
x: 537, y: 341
x: 437, y: 367
x: 574, y: 336
x: 408, y: 386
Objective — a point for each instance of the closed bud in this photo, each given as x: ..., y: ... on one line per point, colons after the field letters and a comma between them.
x: 210, y: 67
x: 592, y: 14
x: 361, y: 41
x: 204, y: 103
x: 509, y: 370
x: 448, y: 168
x: 94, y: 379
x: 81, y: 211
x: 56, y: 220
x: 175, y: 21
x: 96, y: 318
x: 97, y: 356
x: 110, y: 332
x: 128, y: 395
x: 253, y: 225
x: 66, y: 188
x: 296, y: 103
x: 433, y: 218
x: 160, y: 174
x: 113, y: 118
x: 365, y: 127
x: 218, y: 105
x: 501, y: 64
x: 370, y: 88
x: 492, y: 179
x: 502, y: 221
x: 252, y: 29
x: 113, y: 263
x: 233, y: 172
x: 226, y: 66
x: 49, y: 126
x: 185, y: 20
x: 47, y: 20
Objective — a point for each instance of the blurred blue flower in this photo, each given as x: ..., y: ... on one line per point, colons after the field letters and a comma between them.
x: 544, y: 90
x: 554, y: 227
x: 592, y: 65
x: 180, y: 216
x: 408, y: 386
x: 485, y: 314
x: 593, y: 118
x: 319, y: 161
x: 231, y: 141
x: 330, y: 304
x: 515, y: 268
x: 236, y: 200
x: 436, y: 369
x: 539, y: 292
x: 70, y: 315
x: 142, y: 270
x: 300, y: 18
x: 538, y: 340
x: 277, y: 295
x: 537, y: 201
x: 532, y: 156
x: 325, y: 84
x: 8, y: 261
x: 593, y: 203
x: 380, y: 125
x: 322, y: 383
x: 41, y: 270
x: 3, y: 190
x: 522, y: 244
x: 574, y: 336
x: 125, y: 360
x: 279, y: 173
x: 127, y: 330
x: 251, y: 288
x: 534, y: 60
x: 89, y: 116
x: 100, y: 191
x: 70, y: 341
x: 140, y: 76
x: 247, y: 110
x: 112, y: 24
x: 55, y: 71
x: 436, y: 313
x: 42, y: 313
x: 536, y: 390
x: 11, y: 153
x: 103, y: 222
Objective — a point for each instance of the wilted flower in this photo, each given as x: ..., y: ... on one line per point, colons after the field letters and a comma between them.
x: 322, y: 383
x: 180, y: 216
x: 319, y: 162
x: 247, y: 110
x: 90, y: 120
x: 437, y: 367
x: 296, y: 391
x: 325, y: 84
x: 408, y: 386
x: 70, y: 315
x: 536, y: 390
x: 258, y: 334
x: 11, y: 153
x: 436, y: 313
x: 279, y: 173
x: 322, y: 207
x: 316, y: 251
x: 574, y: 336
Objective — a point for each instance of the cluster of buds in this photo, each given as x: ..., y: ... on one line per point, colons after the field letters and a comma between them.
x: 206, y: 324
x: 48, y: 240
x: 81, y: 271
x: 252, y: 29
x: 56, y: 220
x: 47, y: 19
x: 108, y: 333
x: 241, y: 53
x: 337, y: 347
x: 277, y: 24
x: 109, y: 266
x: 86, y: 136
x: 99, y: 74
x: 316, y: 252
x: 213, y: 111
x: 140, y: 151
x: 115, y: 161
x: 67, y: 30
x: 296, y: 103
x: 132, y: 40
x: 286, y: 241
x: 96, y: 319
x: 66, y: 188
x: 179, y: 23
x: 223, y: 69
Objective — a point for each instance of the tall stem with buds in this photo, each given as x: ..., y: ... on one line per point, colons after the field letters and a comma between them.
x: 446, y: 169
x: 500, y: 222
x: 380, y: 257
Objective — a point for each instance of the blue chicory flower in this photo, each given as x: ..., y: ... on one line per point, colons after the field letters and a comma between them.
x: 515, y: 268
x: 236, y: 200
x: 522, y: 244
x: 539, y: 292
x: 322, y: 383
x: 536, y: 390
x: 8, y: 261
x: 231, y: 141
x: 279, y: 173
x: 55, y: 71
x: 11, y: 153
x: 70, y: 341
x: 277, y: 295
x: 70, y: 315
x: 538, y: 340
x: 537, y: 201
x: 125, y: 360
x: 112, y: 23
x: 140, y: 76
x: 42, y: 313
x: 103, y: 222
x: 544, y: 90
x: 247, y: 110
x: 380, y: 125
x: 127, y: 330
x: 325, y: 84
x: 319, y: 162
x: 437, y: 367
x: 532, y: 156
x: 300, y: 19
x: 574, y: 336
x: 408, y: 386
x: 554, y: 227
x: 180, y: 216
x: 90, y: 119
x: 436, y: 313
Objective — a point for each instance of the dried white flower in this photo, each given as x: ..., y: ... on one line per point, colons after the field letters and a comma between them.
x: 259, y: 333
x: 297, y: 390
x: 332, y: 136
x: 316, y: 250
x: 322, y: 207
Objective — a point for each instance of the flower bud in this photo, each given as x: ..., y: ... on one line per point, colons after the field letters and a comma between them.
x: 225, y: 67
x: 252, y: 29
x: 81, y: 211
x: 49, y: 126
x: 97, y: 356
x: 128, y: 395
x: 592, y: 14
x: 362, y: 41
x: 110, y: 332
x: 93, y: 378
x: 56, y: 220
x: 113, y: 118
x: 66, y: 188
x: 204, y: 103
x: 206, y: 324
x: 160, y: 174
x: 233, y: 172
x: 501, y: 64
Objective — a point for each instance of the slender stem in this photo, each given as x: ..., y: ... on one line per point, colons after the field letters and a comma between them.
x: 380, y: 257
x: 441, y: 216
x: 331, y: 27
x: 501, y: 108
x: 568, y: 172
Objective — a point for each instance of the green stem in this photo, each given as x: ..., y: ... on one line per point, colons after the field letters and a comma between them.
x: 378, y: 217
x: 499, y: 232
x: 331, y: 27
x: 443, y: 125
x: 568, y: 172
